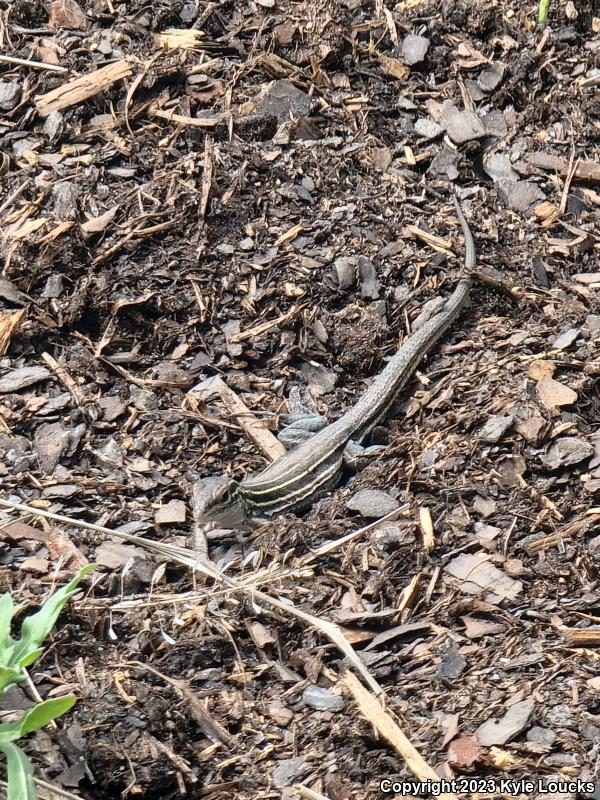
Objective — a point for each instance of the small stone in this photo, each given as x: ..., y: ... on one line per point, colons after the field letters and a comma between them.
x: 498, y: 167
x: 50, y: 441
x: 495, y: 428
x: 225, y: 249
x: 61, y: 491
x: 247, y: 244
x: 10, y: 92
x: 491, y: 77
x: 566, y: 451
x: 414, y: 48
x: 279, y: 713
x: 475, y: 91
x: 428, y: 129
x: 405, y: 104
x: 495, y: 124
x: 171, y: 513
x: 54, y: 286
x: 486, y: 534
x: 445, y: 163
x: 322, y: 699
x: 500, y: 731
x: 461, y: 126
x: 484, y: 506
x: 452, y: 664
x: 533, y: 429
x: 344, y: 269
x: 592, y: 324
x: 22, y: 378
x: 283, y: 99
x: 541, y: 736
x: 565, y: 339
x: 369, y: 285
x: 65, y: 196
x: 112, y: 407
x: 287, y: 771
x: 372, y: 503
x: 559, y: 716
x: 521, y: 196
x: 35, y: 564
x: 554, y: 394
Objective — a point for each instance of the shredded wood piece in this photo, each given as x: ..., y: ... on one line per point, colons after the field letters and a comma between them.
x: 426, y: 524
x: 263, y: 327
x: 82, y: 88
x: 180, y: 119
x: 263, y: 438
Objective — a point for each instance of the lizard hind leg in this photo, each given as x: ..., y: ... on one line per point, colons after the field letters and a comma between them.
x: 355, y: 455
x: 300, y: 428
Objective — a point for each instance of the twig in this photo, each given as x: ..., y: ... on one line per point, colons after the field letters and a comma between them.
x: 209, y: 726
x: 568, y: 180
x: 207, y: 174
x: 216, y: 386
x: 62, y: 374
x: 24, y: 62
x: 180, y: 119
x: 263, y: 327
x: 328, y: 547
x: 182, y: 555
x: 79, y: 89
x: 375, y: 713
x: 310, y: 794
x: 12, y: 197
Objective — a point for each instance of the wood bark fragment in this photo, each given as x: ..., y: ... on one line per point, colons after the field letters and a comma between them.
x: 263, y: 438
x: 82, y: 88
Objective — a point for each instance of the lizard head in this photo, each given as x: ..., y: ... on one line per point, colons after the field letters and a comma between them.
x: 218, y: 504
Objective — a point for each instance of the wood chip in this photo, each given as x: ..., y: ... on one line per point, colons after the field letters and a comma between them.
x: 263, y: 438
x: 82, y: 88
x: 554, y: 394
x: 10, y: 322
x: 375, y: 713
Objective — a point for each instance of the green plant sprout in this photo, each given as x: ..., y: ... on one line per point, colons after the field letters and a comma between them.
x: 15, y: 655
x: 543, y: 7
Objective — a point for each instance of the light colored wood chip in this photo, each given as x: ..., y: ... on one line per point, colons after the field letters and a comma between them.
x: 554, y: 394
x: 82, y: 88
x: 426, y: 524
x: 10, y: 322
x: 263, y: 438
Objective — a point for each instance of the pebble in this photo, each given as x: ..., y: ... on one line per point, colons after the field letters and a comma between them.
x: 372, y: 503
x: 322, y: 699
x: 491, y: 77
x: 495, y: 428
x: 414, y: 48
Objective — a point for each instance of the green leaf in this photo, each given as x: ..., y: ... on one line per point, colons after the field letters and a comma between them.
x: 543, y: 7
x: 19, y: 773
x: 31, y: 656
x: 9, y: 676
x: 45, y: 712
x: 36, y: 627
x: 36, y: 718
x: 6, y: 614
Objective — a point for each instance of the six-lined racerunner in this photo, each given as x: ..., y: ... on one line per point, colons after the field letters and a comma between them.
x: 298, y: 478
